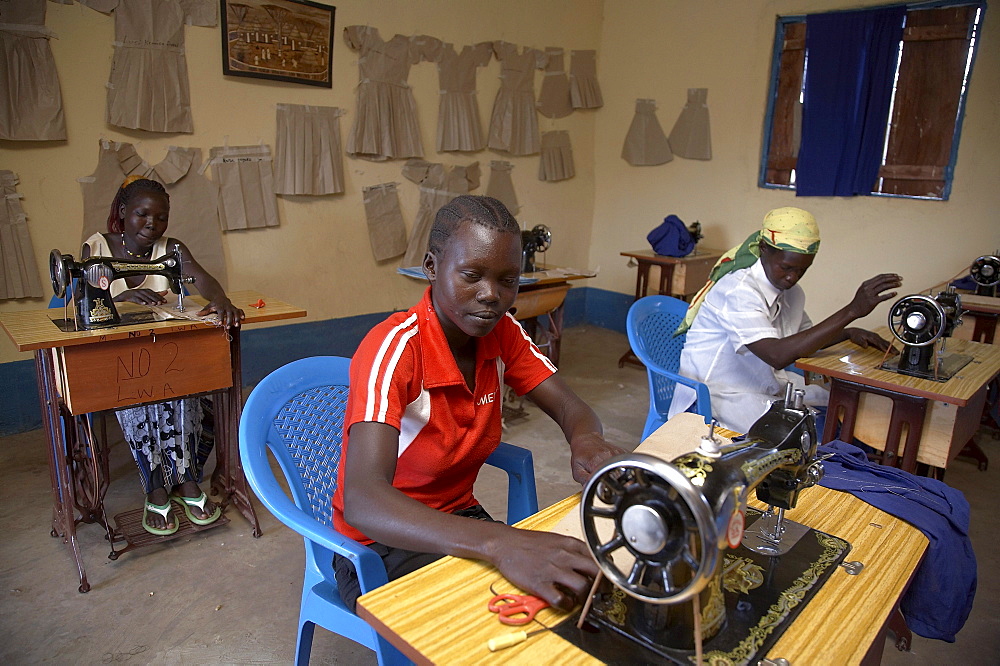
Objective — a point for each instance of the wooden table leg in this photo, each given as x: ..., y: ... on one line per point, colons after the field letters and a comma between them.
x: 985, y: 328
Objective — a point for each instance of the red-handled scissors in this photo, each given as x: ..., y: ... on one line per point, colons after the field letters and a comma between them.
x: 517, y: 609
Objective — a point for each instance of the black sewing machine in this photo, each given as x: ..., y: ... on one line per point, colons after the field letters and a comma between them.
x: 670, y: 535
x: 985, y: 272
x: 537, y: 240
x: 92, y: 292
x: 919, y: 321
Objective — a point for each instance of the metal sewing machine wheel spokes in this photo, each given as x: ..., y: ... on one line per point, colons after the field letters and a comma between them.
x: 649, y: 529
x: 918, y: 320
x: 985, y: 272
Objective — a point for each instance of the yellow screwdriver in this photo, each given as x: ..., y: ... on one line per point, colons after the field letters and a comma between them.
x: 509, y: 640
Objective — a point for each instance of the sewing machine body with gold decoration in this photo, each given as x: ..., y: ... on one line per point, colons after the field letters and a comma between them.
x: 688, y: 567
x: 92, y: 300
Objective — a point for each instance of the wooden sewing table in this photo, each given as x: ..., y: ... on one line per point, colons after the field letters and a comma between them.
x: 939, y: 417
x: 438, y: 614
x: 986, y: 310
x: 680, y: 277
x: 546, y: 296
x: 80, y: 372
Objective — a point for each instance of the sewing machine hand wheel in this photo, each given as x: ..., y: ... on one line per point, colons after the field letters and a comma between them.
x: 986, y: 270
x: 58, y: 272
x: 542, y: 236
x: 917, y: 320
x: 650, y: 530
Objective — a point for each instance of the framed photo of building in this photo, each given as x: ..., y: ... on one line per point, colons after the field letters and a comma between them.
x: 282, y: 40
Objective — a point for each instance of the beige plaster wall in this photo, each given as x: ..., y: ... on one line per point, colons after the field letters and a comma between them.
x: 320, y: 257
x: 657, y: 49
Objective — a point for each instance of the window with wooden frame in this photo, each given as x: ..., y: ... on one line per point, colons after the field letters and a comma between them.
x: 925, y: 118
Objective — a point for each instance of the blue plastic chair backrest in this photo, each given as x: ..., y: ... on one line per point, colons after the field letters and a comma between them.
x: 311, y: 426
x: 652, y: 321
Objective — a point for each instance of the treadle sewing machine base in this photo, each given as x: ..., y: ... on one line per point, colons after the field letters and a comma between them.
x: 763, y: 595
x: 130, y: 530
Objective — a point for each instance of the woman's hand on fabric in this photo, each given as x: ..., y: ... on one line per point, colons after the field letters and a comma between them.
x: 557, y: 568
x: 142, y: 297
x: 229, y: 314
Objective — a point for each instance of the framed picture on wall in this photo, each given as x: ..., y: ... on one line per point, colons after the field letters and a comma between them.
x: 282, y: 40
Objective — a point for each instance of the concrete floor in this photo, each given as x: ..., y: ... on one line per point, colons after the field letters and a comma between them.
x: 224, y: 597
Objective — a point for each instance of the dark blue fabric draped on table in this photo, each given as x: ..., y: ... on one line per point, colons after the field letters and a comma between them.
x: 850, y: 64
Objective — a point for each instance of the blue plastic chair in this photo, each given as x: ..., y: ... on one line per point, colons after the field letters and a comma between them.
x: 297, y: 412
x: 650, y: 324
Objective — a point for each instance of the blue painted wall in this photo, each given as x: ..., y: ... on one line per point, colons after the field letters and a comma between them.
x: 267, y: 349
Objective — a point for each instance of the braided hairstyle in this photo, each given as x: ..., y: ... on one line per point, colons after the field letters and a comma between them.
x: 487, y: 211
x: 130, y: 187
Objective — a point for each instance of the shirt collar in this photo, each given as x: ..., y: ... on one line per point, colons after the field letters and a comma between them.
x: 440, y: 367
x: 768, y: 290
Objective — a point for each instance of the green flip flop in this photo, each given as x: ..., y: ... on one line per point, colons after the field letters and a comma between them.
x: 188, y: 502
x: 164, y: 511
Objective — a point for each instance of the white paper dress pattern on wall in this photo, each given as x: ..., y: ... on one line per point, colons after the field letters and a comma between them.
x: 385, y: 123
x: 584, y: 89
x: 194, y: 199
x: 32, y: 108
x: 556, y: 162
x: 245, y: 177
x: 554, y: 100
x: 645, y: 143
x: 514, y: 121
x: 386, y: 229
x: 308, y: 157
x: 148, y: 88
x: 18, y: 269
x: 458, y: 127
x: 501, y: 186
x: 691, y: 136
x: 439, y: 184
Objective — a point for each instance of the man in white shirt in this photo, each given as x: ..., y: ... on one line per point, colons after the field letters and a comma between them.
x: 749, y: 322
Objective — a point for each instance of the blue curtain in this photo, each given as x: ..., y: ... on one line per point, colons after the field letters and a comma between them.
x: 851, y: 60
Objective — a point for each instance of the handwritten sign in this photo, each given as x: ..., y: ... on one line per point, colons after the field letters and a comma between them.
x: 145, y: 368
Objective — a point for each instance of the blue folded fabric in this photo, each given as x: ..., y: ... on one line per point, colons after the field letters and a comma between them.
x: 672, y: 238
x: 940, y: 596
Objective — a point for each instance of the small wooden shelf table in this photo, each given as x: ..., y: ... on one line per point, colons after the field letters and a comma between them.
x: 939, y: 417
x: 438, y: 614
x: 80, y: 372
x: 680, y: 277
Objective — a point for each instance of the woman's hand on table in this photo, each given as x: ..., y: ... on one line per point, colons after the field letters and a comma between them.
x: 142, y: 297
x: 229, y: 314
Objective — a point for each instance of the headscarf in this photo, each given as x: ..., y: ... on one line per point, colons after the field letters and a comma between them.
x: 791, y: 229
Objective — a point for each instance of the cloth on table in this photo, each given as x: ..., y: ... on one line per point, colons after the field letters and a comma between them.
x: 940, y: 596
x: 308, y: 156
x: 556, y: 162
x: 194, y: 199
x: 672, y: 238
x: 386, y: 229
x: 245, y: 177
x: 514, y: 121
x: 501, y: 187
x: 29, y: 82
x: 148, y: 87
x: 691, y: 135
x: 645, y: 143
x: 18, y: 269
x: 385, y: 124
x: 439, y: 184
x: 459, y: 128
x: 554, y: 100
x: 585, y: 91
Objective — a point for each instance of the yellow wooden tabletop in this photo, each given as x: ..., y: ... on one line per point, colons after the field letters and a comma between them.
x: 439, y: 615
x: 849, y: 362
x: 36, y: 329
x: 986, y: 304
